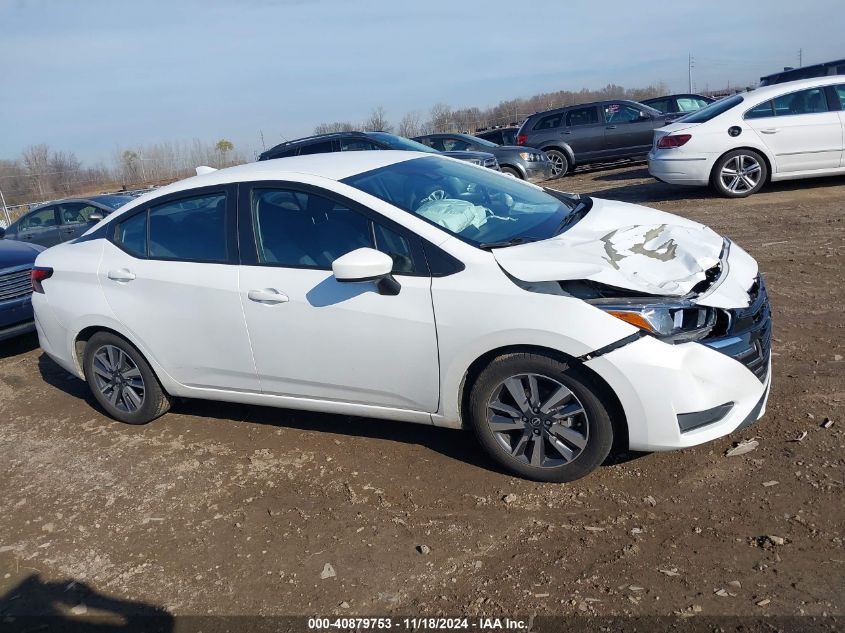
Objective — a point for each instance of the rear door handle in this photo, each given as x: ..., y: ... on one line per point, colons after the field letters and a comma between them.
x: 267, y: 296
x: 771, y: 130
x: 121, y: 274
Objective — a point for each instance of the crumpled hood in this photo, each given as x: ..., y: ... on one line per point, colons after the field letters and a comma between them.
x: 636, y: 248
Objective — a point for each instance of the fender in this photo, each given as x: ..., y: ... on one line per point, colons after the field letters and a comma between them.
x: 563, y: 147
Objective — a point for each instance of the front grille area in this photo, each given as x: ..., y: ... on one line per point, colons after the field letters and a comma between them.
x: 748, y: 336
x: 15, y: 284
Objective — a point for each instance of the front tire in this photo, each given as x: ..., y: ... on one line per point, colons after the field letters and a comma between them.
x: 739, y: 173
x: 560, y: 163
x: 122, y: 381
x: 513, y: 172
x: 540, y: 418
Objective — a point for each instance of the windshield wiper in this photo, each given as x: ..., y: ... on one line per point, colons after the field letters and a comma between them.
x: 503, y: 243
x: 578, y: 212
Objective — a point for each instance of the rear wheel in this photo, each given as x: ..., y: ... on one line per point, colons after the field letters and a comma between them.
x: 739, y: 173
x: 540, y: 418
x: 122, y: 381
x: 560, y: 162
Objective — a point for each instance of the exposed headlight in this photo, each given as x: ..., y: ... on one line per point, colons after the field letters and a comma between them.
x: 531, y: 157
x: 475, y: 161
x: 679, y: 322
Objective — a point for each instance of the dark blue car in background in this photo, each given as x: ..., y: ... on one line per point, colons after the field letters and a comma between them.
x: 16, y: 262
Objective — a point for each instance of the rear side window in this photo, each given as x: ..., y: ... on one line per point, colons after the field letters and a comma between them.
x: 760, y: 111
x: 713, y: 110
x: 190, y: 229
x: 131, y: 235
x: 356, y: 145
x: 840, y: 91
x: 582, y: 116
x: 549, y: 122
x: 323, y: 147
x: 664, y: 105
x: 39, y: 219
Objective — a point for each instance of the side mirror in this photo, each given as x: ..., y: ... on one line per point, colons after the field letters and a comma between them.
x: 96, y: 216
x: 645, y: 116
x: 367, y: 264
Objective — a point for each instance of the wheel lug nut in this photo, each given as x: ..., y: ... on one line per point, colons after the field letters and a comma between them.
x: 536, y: 431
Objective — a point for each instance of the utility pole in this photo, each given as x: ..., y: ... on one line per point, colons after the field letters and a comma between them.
x: 5, y: 210
x: 690, y: 64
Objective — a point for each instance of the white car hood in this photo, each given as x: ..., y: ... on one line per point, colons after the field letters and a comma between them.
x: 640, y: 249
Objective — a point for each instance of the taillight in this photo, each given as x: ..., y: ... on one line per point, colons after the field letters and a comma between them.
x: 670, y: 141
x: 38, y: 275
x: 521, y: 139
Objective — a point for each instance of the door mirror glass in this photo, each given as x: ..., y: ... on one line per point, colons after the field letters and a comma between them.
x: 96, y: 216
x: 363, y: 264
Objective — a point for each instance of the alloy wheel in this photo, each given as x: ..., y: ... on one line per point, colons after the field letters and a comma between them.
x: 558, y: 162
x: 740, y: 174
x: 119, y: 379
x: 537, y: 420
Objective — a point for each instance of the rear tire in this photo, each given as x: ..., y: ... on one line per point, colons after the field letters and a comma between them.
x: 560, y: 163
x: 739, y: 173
x: 512, y: 172
x: 540, y: 418
x: 122, y: 381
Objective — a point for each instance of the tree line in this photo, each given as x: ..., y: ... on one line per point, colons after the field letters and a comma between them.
x: 42, y: 173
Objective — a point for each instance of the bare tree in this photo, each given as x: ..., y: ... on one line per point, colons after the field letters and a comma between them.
x: 410, y: 125
x: 36, y: 159
x: 64, y: 169
x: 441, y: 118
x: 377, y: 122
x: 336, y: 126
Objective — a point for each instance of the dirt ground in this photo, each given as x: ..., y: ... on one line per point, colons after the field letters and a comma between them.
x: 228, y: 509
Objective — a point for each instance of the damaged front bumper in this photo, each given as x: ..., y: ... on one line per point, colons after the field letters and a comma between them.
x: 676, y: 396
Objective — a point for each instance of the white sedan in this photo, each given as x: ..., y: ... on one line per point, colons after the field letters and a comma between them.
x: 781, y: 132
x: 416, y: 288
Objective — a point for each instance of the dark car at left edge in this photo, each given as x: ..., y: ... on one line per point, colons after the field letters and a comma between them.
x: 16, y: 263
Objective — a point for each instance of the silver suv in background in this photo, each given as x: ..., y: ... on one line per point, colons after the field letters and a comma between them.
x: 591, y: 133
x: 526, y: 163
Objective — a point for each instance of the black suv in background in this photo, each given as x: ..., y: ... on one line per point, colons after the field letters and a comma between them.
x: 678, y: 104
x: 364, y: 141
x: 526, y: 163
x: 591, y: 133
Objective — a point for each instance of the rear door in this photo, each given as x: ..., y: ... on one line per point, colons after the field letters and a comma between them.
x: 800, y: 130
x: 584, y: 132
x: 628, y: 130
x: 40, y: 227
x: 169, y: 273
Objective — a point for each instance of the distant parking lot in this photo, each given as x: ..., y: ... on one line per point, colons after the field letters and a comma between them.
x: 230, y: 509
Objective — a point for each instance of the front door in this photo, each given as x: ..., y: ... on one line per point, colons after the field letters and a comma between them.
x: 628, y: 130
x: 170, y: 275
x: 314, y: 337
x: 73, y: 219
x: 800, y: 131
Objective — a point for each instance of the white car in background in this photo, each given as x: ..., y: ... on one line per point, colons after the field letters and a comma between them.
x: 781, y: 132
x: 416, y: 288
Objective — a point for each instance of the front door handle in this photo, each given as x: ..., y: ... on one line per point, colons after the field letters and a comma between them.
x: 267, y: 296
x: 771, y: 130
x: 610, y: 127
x: 121, y: 274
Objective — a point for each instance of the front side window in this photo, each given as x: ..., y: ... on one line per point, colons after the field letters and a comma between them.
x: 620, y: 113
x: 664, y: 105
x: 452, y: 144
x: 582, y: 116
x: 840, y: 91
x: 189, y: 229
x: 323, y: 147
x: 357, y: 145
x: 479, y: 205
x: 305, y: 230
x: 549, y: 122
x: 803, y: 102
x: 76, y: 212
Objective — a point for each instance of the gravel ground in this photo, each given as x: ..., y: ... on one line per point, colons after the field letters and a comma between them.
x: 227, y: 509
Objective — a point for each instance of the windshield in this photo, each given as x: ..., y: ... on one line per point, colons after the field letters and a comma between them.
x: 113, y: 201
x: 479, y: 205
x: 400, y: 142
x: 711, y: 111
x: 478, y: 140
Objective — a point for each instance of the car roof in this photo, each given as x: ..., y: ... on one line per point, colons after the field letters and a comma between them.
x: 331, y: 166
x: 678, y: 94
x: 313, y: 138
x: 582, y: 105
x: 786, y: 87
x: 92, y: 200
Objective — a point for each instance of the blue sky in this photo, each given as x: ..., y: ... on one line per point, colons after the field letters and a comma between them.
x: 92, y: 75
